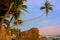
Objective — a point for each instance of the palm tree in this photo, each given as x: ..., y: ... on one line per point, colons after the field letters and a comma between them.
x: 13, y: 9
x: 16, y: 10
x: 47, y: 7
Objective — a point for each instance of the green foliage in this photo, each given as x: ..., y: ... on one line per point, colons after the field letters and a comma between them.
x: 47, y: 6
x: 15, y: 31
x: 15, y: 11
x: 24, y: 6
x: 50, y: 8
x: 6, y: 4
x: 6, y: 22
x: 42, y: 7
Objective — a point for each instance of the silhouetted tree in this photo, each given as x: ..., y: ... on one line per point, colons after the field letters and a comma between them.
x: 11, y: 8
x: 47, y: 6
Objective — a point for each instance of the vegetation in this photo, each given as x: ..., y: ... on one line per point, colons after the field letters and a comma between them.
x: 13, y: 9
x: 47, y: 6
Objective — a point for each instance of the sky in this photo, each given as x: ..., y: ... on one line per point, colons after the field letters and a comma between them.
x: 47, y: 25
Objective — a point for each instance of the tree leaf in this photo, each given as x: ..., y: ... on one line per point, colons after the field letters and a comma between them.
x: 42, y: 7
x: 50, y: 8
x: 20, y: 21
x: 6, y: 21
x: 24, y: 6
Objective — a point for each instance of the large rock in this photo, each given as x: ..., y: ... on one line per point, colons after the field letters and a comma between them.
x: 31, y: 34
x: 4, y: 35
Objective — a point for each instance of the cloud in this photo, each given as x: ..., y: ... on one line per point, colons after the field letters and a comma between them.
x: 50, y: 30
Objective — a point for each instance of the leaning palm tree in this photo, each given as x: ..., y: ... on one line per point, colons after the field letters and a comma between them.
x: 47, y: 7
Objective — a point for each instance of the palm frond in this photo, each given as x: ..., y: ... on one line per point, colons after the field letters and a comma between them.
x: 25, y: 0
x: 24, y: 6
x: 50, y: 8
x: 6, y: 21
x: 42, y: 7
x: 22, y: 12
x: 16, y: 15
x: 20, y: 22
x: 15, y: 23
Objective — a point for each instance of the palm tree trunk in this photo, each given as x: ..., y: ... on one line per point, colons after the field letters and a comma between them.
x: 6, y: 13
x: 33, y: 18
x: 8, y: 29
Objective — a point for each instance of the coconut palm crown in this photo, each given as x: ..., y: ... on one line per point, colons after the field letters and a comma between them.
x: 47, y: 6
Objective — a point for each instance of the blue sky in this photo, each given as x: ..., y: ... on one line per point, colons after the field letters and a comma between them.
x: 45, y: 24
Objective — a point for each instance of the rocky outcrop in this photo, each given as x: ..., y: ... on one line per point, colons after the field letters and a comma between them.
x: 32, y: 34
x: 4, y: 35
